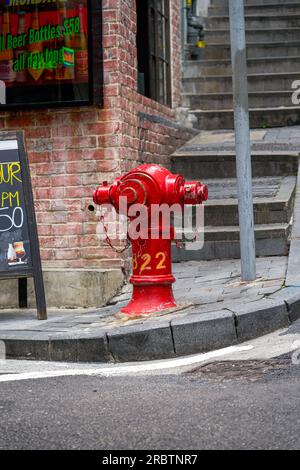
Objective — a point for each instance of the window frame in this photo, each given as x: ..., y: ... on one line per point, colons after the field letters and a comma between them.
x: 158, y: 87
x: 95, y: 57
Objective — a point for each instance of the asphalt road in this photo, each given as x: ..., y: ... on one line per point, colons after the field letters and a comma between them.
x: 224, y: 405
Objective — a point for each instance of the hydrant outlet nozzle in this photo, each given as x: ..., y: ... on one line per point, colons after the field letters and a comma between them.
x: 194, y: 193
x: 203, y: 193
x: 102, y: 195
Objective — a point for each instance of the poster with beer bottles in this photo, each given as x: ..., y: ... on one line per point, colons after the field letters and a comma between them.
x: 44, y: 51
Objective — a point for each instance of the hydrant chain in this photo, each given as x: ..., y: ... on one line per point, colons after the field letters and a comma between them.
x: 109, y: 242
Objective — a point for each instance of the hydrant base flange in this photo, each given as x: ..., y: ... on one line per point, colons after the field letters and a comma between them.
x: 148, y: 299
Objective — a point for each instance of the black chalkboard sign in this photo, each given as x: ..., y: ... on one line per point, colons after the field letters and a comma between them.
x: 19, y: 246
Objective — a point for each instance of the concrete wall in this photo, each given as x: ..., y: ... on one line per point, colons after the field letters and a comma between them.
x: 77, y: 288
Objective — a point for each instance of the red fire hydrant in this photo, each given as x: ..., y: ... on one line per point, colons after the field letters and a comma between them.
x: 151, y: 186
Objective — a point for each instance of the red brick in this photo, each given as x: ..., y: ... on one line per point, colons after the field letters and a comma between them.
x: 67, y: 229
x: 39, y: 157
x: 67, y: 180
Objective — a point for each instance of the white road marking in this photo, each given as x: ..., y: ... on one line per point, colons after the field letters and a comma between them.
x: 125, y: 369
x: 272, y: 345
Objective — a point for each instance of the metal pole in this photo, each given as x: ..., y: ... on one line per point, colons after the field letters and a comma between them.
x: 183, y: 30
x: 242, y: 138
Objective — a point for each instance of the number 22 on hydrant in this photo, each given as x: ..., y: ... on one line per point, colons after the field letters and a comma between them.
x: 146, y: 262
x: 151, y: 186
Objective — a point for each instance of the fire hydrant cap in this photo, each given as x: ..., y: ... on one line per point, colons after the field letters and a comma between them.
x: 203, y: 192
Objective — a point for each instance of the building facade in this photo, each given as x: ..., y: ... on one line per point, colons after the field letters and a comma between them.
x: 131, y: 117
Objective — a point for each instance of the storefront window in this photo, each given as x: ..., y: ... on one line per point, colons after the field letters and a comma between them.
x: 153, y: 50
x: 44, y: 52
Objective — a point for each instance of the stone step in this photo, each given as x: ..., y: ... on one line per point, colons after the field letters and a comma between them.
x: 254, y: 50
x: 223, y: 243
x: 203, y: 68
x: 269, y: 21
x: 222, y: 36
x: 256, y: 9
x: 264, y: 212
x: 257, y: 99
x: 196, y: 164
x: 272, y: 199
x: 259, y: 117
x: 256, y: 82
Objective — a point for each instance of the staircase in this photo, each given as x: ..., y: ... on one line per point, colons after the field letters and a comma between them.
x: 274, y: 180
x: 273, y: 56
x: 273, y: 48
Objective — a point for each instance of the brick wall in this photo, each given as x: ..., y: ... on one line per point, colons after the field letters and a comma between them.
x: 72, y: 150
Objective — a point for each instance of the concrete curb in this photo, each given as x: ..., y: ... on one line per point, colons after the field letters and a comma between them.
x: 153, y: 339
x: 293, y: 272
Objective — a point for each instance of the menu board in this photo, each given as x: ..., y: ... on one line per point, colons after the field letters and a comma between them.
x: 44, y: 52
x: 15, y: 252
x: 19, y: 246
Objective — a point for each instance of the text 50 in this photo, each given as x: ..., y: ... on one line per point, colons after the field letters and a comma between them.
x: 15, y: 220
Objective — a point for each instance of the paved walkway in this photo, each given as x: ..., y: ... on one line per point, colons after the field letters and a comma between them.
x: 204, y: 286
x: 211, y: 303
x: 215, y: 285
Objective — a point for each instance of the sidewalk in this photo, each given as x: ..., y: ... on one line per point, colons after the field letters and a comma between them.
x: 215, y: 310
